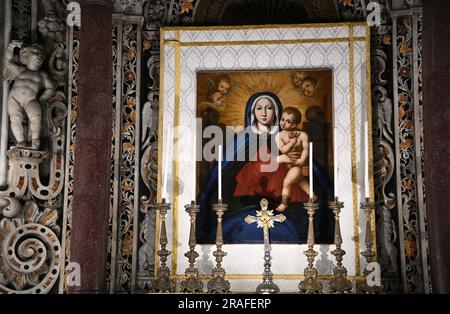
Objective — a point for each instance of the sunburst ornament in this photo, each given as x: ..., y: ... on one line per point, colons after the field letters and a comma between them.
x: 265, y: 218
x: 265, y: 215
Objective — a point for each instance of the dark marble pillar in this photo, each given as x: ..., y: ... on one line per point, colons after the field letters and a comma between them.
x: 91, y: 195
x: 436, y: 123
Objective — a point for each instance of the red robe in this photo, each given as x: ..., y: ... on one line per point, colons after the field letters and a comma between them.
x: 252, y: 181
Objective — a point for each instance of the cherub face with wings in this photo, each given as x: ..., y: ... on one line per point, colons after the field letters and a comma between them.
x: 298, y: 78
x: 223, y: 86
x: 309, y: 87
x: 307, y: 84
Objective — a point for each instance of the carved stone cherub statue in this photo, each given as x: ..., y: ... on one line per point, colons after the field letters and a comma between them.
x: 23, y: 101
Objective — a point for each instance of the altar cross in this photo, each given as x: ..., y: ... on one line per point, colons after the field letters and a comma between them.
x: 265, y: 219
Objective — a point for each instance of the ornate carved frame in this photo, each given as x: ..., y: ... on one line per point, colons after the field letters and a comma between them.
x: 342, y: 47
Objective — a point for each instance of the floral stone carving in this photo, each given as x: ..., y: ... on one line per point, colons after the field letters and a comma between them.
x: 29, y: 248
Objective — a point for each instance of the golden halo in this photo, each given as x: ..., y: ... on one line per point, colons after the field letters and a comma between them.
x: 245, y: 84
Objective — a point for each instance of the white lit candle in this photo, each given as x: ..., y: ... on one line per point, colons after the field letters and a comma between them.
x: 167, y: 146
x: 194, y: 187
x: 335, y: 159
x: 310, y: 169
x: 366, y: 160
x: 219, y: 167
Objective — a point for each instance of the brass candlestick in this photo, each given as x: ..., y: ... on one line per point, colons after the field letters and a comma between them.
x: 311, y: 284
x: 339, y: 283
x: 366, y: 286
x: 218, y: 283
x: 163, y: 283
x: 192, y: 283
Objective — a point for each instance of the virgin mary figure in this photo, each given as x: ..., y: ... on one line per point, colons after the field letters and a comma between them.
x: 250, y: 173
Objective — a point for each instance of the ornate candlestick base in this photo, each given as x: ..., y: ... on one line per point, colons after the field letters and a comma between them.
x: 366, y: 286
x: 163, y: 283
x: 218, y: 283
x: 267, y: 286
x: 310, y: 284
x: 339, y: 283
x: 192, y: 283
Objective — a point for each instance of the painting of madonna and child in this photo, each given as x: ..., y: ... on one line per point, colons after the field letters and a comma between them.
x: 265, y: 120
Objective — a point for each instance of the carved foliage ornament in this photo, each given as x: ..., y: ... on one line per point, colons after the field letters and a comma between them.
x: 29, y: 247
x: 29, y: 203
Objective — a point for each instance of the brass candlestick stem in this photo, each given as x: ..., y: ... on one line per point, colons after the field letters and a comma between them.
x: 368, y: 287
x: 192, y: 282
x: 339, y: 283
x: 163, y: 283
x: 218, y: 283
x: 310, y: 284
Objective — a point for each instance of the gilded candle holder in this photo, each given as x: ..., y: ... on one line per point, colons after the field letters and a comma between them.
x: 339, y: 283
x: 192, y: 282
x: 218, y: 283
x: 163, y: 282
x: 368, y: 286
x: 311, y: 283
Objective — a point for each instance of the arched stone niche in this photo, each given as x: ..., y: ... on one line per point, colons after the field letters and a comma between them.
x: 251, y: 12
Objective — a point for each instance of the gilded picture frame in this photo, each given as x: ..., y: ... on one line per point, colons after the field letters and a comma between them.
x: 344, y: 49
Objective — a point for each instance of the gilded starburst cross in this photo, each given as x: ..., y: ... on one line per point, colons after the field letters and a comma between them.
x: 265, y: 219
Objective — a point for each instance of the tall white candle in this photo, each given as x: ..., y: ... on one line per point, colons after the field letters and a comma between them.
x: 335, y: 161
x: 194, y: 186
x: 219, y: 167
x: 311, y: 170
x: 167, y: 145
x: 366, y: 160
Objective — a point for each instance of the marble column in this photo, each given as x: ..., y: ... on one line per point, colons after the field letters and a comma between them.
x: 5, y: 31
x: 91, y: 196
x: 436, y: 124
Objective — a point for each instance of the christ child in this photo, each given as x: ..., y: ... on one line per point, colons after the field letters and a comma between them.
x: 291, y: 139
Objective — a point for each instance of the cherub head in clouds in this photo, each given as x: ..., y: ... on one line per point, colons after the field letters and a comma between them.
x: 307, y: 85
x: 218, y: 89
